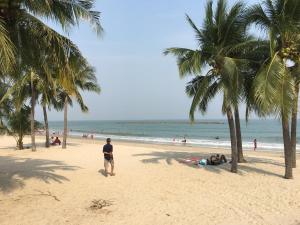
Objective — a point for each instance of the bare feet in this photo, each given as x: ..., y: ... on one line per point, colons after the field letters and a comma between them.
x: 112, y: 174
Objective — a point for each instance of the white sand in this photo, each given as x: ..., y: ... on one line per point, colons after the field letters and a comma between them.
x: 57, y: 186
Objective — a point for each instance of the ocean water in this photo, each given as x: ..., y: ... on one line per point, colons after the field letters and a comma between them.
x: 209, y: 133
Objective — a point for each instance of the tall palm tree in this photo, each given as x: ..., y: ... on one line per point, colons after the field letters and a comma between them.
x: 221, y: 42
x: 46, y: 90
x: 84, y: 79
x: 274, y: 84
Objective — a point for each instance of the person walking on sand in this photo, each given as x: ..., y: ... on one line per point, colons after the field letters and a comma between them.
x: 255, y: 144
x: 108, y: 157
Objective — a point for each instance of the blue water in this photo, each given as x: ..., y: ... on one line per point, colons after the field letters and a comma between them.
x: 212, y: 133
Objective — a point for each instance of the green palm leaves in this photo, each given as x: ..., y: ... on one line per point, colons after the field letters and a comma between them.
x: 263, y: 74
x: 220, y: 41
x: 276, y: 84
x: 6, y: 50
x: 39, y: 60
x: 222, y: 46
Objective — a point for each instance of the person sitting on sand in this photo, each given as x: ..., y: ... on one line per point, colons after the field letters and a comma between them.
x: 108, y: 157
x: 215, y: 160
x: 56, y: 141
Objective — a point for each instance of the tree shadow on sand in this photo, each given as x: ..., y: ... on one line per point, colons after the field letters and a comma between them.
x: 175, y: 156
x: 14, y: 171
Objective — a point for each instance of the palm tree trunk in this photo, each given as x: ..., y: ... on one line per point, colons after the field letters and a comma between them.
x: 233, y: 140
x: 33, y: 146
x: 239, y: 136
x: 287, y: 148
x: 20, y: 143
x: 47, y: 143
x: 294, y: 128
x: 64, y: 144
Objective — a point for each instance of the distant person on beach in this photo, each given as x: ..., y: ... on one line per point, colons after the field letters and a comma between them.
x: 184, y: 140
x: 108, y: 157
x: 255, y: 144
x: 56, y: 141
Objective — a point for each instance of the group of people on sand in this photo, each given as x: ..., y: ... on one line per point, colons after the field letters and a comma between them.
x: 213, y: 160
x: 55, y: 141
x: 88, y: 135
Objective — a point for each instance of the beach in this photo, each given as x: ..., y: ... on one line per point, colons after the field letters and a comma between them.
x: 151, y: 186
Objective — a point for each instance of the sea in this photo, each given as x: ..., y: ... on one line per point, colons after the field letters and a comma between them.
x: 205, y: 133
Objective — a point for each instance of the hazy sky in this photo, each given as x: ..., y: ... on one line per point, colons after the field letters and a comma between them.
x: 137, y: 81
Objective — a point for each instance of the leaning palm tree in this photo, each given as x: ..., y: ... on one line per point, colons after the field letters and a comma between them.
x: 221, y: 41
x: 274, y: 83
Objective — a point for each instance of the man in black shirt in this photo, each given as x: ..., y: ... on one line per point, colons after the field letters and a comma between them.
x: 108, y: 157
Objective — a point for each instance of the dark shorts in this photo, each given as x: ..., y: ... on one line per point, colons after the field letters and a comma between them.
x: 106, y: 162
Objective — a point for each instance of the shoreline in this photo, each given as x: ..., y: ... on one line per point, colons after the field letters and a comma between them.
x: 167, y: 146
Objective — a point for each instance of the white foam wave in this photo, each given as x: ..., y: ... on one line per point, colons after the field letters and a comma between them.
x: 194, y: 142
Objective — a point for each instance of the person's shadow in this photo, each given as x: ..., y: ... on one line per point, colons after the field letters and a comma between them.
x: 102, y: 171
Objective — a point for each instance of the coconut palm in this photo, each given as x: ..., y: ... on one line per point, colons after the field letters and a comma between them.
x: 84, y: 79
x: 32, y: 39
x: 46, y: 90
x: 221, y: 44
x: 274, y: 84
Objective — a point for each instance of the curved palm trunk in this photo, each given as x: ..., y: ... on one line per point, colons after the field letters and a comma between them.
x: 239, y: 142
x: 33, y: 146
x: 294, y: 128
x: 233, y: 141
x: 287, y: 148
x: 64, y: 144
x: 47, y: 143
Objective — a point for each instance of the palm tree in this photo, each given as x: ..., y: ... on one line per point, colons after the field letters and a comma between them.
x: 221, y: 45
x: 84, y: 79
x: 46, y: 89
x: 274, y: 84
x: 21, y: 26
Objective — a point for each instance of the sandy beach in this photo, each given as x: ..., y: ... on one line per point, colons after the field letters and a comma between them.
x: 151, y: 186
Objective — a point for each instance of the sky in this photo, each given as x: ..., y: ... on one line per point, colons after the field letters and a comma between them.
x: 137, y: 81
